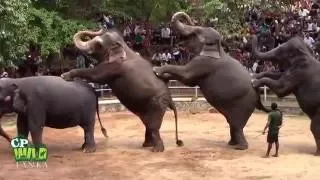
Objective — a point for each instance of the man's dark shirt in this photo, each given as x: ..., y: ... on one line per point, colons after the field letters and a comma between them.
x: 275, y: 121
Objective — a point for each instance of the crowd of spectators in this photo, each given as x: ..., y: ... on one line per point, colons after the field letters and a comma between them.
x: 275, y: 29
x: 158, y: 43
x: 272, y: 30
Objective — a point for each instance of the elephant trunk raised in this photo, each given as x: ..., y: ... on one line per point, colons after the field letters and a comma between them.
x: 183, y: 29
x: 270, y: 55
x: 88, y: 45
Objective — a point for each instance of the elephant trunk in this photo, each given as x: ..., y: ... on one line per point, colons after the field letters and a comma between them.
x: 87, y: 46
x: 182, y: 28
x: 270, y: 55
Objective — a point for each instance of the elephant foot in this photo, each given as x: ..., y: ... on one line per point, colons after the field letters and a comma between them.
x: 317, y: 153
x: 158, y: 147
x: 232, y: 143
x: 241, y: 146
x: 88, y: 148
x: 147, y: 144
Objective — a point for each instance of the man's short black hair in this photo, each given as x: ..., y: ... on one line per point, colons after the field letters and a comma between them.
x: 274, y: 106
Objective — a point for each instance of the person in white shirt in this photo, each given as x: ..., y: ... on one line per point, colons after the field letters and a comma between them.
x: 137, y: 29
x: 310, y: 26
x: 255, y: 66
x: 165, y: 34
x: 166, y: 57
x: 303, y: 12
x: 309, y: 40
x: 127, y: 33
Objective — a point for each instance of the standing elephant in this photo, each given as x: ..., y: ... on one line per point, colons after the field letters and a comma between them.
x: 301, y: 78
x: 131, y: 79
x: 50, y: 101
x: 224, y: 82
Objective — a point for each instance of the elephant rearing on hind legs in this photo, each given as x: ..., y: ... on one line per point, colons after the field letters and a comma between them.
x: 223, y: 81
x: 131, y: 79
x: 300, y: 77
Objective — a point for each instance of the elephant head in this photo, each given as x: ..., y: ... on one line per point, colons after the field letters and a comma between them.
x: 293, y: 52
x: 12, y: 98
x: 110, y: 43
x: 204, y: 41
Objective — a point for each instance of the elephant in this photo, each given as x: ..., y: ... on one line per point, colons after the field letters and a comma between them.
x: 131, y: 79
x: 53, y: 102
x: 224, y: 82
x: 299, y: 78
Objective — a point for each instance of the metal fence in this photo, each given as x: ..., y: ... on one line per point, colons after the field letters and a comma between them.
x: 176, y: 88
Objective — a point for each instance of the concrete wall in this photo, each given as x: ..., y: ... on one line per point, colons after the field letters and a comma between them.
x: 288, y: 106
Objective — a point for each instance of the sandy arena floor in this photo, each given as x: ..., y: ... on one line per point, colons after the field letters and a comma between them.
x: 205, y: 154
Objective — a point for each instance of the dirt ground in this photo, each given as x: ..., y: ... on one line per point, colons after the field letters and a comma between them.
x: 205, y: 154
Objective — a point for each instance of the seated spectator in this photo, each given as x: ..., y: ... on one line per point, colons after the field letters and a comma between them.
x: 309, y: 40
x: 176, y: 54
x: 166, y: 57
x: 156, y: 58
x: 4, y: 73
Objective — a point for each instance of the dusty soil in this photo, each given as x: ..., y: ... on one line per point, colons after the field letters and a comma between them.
x: 205, y: 154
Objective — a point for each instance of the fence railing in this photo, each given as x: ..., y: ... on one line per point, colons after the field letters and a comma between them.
x: 105, y: 91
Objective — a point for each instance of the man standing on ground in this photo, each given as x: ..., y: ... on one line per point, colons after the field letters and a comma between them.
x: 274, y: 124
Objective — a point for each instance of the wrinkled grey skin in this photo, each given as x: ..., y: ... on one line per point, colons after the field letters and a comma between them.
x: 50, y: 101
x: 301, y: 77
x: 223, y: 81
x: 131, y: 79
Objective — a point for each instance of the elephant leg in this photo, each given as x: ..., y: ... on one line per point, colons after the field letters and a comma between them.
x: 315, y: 129
x: 241, y: 142
x: 280, y: 87
x: 37, y: 137
x: 237, y: 119
x: 148, y: 138
x: 272, y: 75
x: 36, y: 121
x: 22, y: 125
x: 232, y: 141
x: 89, y: 144
x: 153, y: 120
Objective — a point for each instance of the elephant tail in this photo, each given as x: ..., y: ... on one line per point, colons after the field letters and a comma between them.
x: 103, y: 130
x: 172, y: 106
x: 259, y: 104
x: 91, y: 87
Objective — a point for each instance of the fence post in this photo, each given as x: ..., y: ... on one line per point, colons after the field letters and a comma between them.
x: 101, y: 88
x: 265, y: 93
x: 196, y: 92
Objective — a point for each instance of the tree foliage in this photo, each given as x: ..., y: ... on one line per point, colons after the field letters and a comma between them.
x: 50, y: 31
x: 153, y: 10
x: 231, y: 12
x: 23, y: 22
x: 52, y: 23
x: 13, y: 31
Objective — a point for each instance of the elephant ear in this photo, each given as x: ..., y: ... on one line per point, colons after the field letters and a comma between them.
x: 19, y: 101
x: 212, y: 50
x: 10, y: 92
x: 119, y: 51
x: 211, y: 40
x: 17, y: 97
